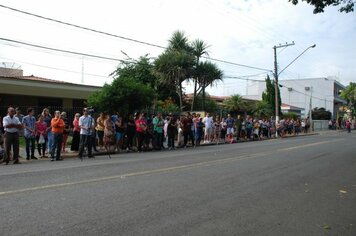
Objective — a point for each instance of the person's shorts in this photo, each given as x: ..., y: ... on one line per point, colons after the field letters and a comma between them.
x: 208, y: 130
x: 119, y: 136
x: 230, y: 131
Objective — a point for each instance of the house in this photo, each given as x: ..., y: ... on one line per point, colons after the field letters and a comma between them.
x: 305, y: 93
x: 32, y: 91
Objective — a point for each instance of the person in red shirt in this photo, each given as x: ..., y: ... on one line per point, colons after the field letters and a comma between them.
x: 141, y: 127
x: 57, y: 125
x: 41, y: 130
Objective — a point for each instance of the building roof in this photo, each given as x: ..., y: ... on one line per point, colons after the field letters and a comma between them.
x: 290, y: 107
x: 40, y: 79
x: 37, y: 86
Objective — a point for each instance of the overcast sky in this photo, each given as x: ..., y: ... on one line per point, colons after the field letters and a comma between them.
x: 238, y: 31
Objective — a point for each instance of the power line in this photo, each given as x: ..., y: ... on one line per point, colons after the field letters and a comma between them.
x: 122, y: 37
x: 64, y: 51
x: 55, y: 68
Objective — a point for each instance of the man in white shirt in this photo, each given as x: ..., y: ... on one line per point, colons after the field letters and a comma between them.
x: 12, y: 126
x: 208, y: 123
x: 87, y: 124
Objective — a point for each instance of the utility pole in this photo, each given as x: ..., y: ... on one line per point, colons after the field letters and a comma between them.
x: 276, y: 79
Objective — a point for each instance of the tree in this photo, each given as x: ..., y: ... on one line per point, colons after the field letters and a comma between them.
x: 175, y: 65
x: 321, y: 114
x: 235, y: 103
x: 208, y: 74
x: 263, y: 109
x: 123, y: 95
x: 199, y: 49
x: 319, y: 5
x: 269, y: 96
x: 349, y: 94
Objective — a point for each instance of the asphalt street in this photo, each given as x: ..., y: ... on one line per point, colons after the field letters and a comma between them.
x: 293, y: 186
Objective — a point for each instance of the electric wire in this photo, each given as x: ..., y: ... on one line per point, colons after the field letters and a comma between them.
x: 122, y: 37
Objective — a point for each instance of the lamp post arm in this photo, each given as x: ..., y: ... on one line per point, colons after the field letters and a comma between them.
x: 313, y: 46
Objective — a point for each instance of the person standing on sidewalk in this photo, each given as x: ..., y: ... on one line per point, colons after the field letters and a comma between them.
x: 12, y: 126
x: 48, y: 118
x: 57, y: 125
x: 348, y: 126
x: 29, y: 123
x: 87, y: 124
x: 158, y: 124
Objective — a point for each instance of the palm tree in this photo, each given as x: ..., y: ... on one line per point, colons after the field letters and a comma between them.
x: 235, y: 103
x: 199, y: 49
x: 175, y: 65
x: 208, y: 74
x: 179, y: 42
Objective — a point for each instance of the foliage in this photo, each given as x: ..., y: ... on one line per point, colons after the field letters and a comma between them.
x: 349, y: 94
x: 207, y: 74
x: 319, y: 5
x: 290, y: 115
x: 321, y: 114
x: 167, y: 106
x: 235, y: 103
x: 123, y: 95
x: 175, y: 64
x: 210, y: 104
x: 269, y: 96
x: 199, y: 49
x: 263, y: 109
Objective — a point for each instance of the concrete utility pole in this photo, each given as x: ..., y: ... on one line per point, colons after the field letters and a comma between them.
x: 276, y: 79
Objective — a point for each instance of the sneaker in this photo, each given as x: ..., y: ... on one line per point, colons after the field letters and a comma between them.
x: 34, y: 158
x: 59, y: 159
x: 52, y: 159
x: 17, y: 162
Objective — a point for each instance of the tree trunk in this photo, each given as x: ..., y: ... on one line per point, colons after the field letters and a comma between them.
x: 180, y: 97
x: 204, y: 98
x: 194, y: 94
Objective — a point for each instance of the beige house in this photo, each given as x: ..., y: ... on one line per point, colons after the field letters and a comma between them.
x: 24, y: 91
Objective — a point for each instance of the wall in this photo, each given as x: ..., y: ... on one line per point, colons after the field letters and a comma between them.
x: 320, y: 125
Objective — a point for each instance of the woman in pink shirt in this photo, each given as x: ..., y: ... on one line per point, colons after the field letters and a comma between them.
x: 41, y: 130
x: 141, y: 127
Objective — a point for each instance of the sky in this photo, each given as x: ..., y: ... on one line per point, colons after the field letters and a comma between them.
x: 240, y: 31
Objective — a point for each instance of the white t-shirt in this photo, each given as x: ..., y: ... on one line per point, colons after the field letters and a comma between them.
x: 8, y: 121
x: 87, y: 122
x: 208, y: 122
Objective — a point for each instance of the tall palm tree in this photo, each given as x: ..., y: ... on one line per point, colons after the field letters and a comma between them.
x: 208, y: 74
x: 179, y: 42
x: 199, y: 49
x: 175, y: 65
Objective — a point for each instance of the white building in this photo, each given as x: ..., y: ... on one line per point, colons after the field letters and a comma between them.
x: 319, y: 92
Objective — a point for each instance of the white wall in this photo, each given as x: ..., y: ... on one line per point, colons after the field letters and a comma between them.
x: 322, y: 90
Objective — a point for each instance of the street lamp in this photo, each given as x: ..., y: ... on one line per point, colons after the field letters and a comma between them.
x: 276, y: 74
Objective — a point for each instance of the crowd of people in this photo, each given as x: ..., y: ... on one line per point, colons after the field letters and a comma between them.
x: 136, y: 133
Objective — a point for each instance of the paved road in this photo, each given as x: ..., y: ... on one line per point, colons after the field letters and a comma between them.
x: 294, y: 186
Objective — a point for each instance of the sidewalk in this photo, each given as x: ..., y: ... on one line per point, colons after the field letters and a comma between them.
x: 73, y: 154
